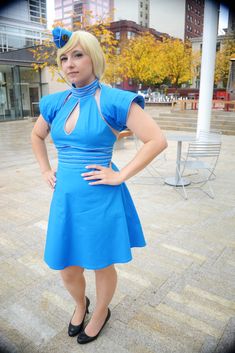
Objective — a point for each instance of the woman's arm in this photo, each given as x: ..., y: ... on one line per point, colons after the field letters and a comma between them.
x: 146, y: 129
x: 38, y: 136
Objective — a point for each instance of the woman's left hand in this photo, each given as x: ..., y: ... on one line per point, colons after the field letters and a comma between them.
x: 105, y: 175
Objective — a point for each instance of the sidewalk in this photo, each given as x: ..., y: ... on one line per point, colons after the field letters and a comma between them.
x: 176, y: 296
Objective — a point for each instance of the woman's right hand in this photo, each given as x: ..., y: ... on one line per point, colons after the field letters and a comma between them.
x: 50, y: 178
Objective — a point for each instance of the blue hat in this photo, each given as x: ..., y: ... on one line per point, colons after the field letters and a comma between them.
x: 61, y: 36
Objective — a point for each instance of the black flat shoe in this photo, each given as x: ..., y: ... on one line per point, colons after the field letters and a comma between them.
x: 83, y: 338
x: 74, y: 330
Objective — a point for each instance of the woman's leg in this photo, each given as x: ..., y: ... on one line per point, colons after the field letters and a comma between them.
x: 74, y: 282
x: 106, y: 282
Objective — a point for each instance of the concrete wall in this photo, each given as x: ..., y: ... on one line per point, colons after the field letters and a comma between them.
x: 50, y: 83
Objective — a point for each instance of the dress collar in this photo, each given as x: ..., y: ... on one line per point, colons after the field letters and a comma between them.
x: 89, y: 90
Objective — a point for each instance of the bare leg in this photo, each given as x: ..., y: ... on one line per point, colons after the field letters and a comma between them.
x: 106, y: 282
x: 74, y: 282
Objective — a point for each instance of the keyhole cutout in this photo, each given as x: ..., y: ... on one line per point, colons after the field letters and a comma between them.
x: 72, y: 119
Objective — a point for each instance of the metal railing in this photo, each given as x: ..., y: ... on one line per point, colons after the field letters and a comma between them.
x: 192, y: 104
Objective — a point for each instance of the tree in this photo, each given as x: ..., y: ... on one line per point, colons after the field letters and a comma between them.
x: 223, y: 62
x: 177, y: 59
x: 45, y: 54
x: 140, y: 59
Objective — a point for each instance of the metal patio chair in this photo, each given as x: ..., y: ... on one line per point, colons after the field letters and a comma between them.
x: 152, y: 169
x: 201, y: 157
x: 210, y: 136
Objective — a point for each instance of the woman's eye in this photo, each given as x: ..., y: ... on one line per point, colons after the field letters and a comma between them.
x: 63, y: 58
x: 78, y: 55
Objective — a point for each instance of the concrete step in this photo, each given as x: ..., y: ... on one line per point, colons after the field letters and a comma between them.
x: 186, y: 125
x: 215, y: 118
x: 222, y: 122
x: 195, y: 112
x: 194, y: 129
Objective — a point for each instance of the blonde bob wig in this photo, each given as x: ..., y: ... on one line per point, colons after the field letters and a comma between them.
x: 91, y: 47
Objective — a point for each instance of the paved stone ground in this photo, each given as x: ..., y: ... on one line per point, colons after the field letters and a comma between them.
x: 176, y: 296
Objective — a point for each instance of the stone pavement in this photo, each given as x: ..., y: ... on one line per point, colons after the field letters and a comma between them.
x: 176, y: 296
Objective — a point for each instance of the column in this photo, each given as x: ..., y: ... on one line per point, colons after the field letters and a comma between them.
x: 210, y: 29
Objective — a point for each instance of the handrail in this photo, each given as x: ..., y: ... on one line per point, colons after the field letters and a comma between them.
x: 192, y: 104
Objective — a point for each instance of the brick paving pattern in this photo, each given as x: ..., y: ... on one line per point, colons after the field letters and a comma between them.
x: 176, y: 296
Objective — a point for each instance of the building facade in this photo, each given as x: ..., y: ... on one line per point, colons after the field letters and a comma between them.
x: 143, y: 13
x: 179, y: 18
x: 22, y: 24
x: 71, y: 11
x: 194, y: 15
x: 21, y: 87
x: 124, y: 30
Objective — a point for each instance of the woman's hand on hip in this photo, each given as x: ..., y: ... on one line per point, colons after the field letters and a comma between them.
x: 102, y: 175
x: 50, y: 178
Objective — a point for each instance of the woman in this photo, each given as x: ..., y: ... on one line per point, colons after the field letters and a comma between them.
x: 93, y: 223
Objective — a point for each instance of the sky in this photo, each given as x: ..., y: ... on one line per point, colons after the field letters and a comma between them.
x: 223, y: 18
x: 50, y: 13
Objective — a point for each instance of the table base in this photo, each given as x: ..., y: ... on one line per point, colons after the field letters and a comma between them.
x: 173, y: 181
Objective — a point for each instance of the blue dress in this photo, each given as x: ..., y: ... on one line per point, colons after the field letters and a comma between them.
x: 91, y: 226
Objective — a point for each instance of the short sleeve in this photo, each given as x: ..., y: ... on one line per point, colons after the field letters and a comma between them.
x: 50, y: 104
x: 115, y: 105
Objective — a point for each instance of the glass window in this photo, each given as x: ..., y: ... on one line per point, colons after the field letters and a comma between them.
x: 67, y: 2
x: 58, y: 3
x: 34, y: 8
x: 117, y: 35
x: 29, y: 81
x: 58, y: 13
x: 68, y: 8
x: 19, y: 89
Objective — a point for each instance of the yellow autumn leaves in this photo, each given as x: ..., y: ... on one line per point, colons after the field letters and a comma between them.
x: 150, y: 61
x: 143, y: 58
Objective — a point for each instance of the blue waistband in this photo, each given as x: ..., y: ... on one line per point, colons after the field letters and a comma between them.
x: 81, y: 157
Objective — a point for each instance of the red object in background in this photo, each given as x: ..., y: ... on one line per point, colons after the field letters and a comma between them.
x: 222, y: 94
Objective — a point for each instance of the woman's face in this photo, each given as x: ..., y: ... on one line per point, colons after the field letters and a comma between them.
x: 77, y: 66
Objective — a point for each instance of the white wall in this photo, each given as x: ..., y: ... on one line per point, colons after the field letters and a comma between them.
x: 168, y: 16
x: 50, y: 84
